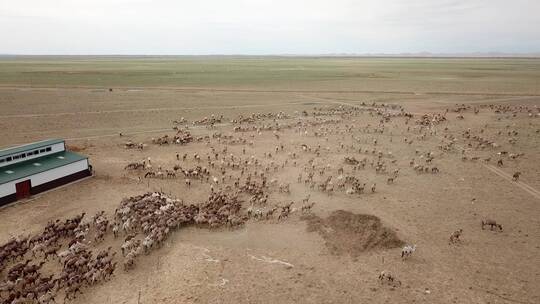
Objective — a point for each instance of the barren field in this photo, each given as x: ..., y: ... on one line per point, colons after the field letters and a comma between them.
x: 373, y: 154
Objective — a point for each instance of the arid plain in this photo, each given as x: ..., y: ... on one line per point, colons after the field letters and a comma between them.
x: 379, y: 123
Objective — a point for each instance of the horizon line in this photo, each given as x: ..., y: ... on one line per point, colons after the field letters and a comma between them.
x: 487, y: 55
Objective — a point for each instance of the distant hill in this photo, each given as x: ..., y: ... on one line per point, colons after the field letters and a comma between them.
x: 462, y: 55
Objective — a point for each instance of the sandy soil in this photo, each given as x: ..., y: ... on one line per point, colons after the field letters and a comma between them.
x: 198, y: 265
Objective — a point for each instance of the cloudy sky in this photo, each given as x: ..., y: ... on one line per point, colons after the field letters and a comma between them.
x: 268, y: 26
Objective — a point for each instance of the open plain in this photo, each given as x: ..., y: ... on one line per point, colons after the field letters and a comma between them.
x: 373, y: 153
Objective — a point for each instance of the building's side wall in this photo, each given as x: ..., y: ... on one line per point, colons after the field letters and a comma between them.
x: 60, y: 181
x: 7, y: 189
x: 45, y: 177
x: 59, y: 147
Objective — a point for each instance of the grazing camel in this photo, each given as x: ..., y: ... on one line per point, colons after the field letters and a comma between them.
x: 46, y: 298
x: 492, y: 224
x: 407, y: 251
x: 386, y: 277
x: 307, y: 208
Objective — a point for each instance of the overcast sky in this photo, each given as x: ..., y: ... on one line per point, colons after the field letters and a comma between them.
x: 268, y: 26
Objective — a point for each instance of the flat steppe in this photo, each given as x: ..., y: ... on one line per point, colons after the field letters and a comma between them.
x: 89, y: 101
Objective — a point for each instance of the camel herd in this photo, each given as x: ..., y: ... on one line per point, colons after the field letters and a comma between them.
x: 64, y: 243
x: 244, y: 186
x: 329, y: 178
x: 142, y: 223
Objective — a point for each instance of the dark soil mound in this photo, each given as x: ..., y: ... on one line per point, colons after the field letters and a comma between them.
x: 349, y: 233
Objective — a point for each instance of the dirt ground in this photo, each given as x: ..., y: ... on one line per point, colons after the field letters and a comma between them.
x: 287, y: 261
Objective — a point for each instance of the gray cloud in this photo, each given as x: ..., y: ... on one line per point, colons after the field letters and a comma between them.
x: 267, y: 26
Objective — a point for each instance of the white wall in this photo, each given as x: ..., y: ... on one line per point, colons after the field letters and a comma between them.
x: 7, y: 189
x: 59, y: 147
x: 45, y: 177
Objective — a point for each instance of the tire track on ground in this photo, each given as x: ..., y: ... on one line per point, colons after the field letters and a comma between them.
x: 210, y: 89
x: 509, y: 178
x: 91, y: 137
x: 152, y: 109
x: 506, y: 176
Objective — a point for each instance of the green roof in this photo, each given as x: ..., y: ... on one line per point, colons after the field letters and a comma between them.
x: 38, y: 165
x: 29, y: 147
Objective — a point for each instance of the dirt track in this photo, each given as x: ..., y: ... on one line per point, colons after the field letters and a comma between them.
x: 209, y: 89
x: 520, y: 184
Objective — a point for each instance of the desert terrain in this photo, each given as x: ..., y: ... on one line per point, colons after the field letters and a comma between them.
x: 401, y: 151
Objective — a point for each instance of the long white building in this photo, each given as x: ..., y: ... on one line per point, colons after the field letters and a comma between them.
x: 33, y: 168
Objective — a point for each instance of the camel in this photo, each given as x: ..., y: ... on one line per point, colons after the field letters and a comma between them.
x: 407, y: 251
x: 386, y: 277
x: 491, y: 223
